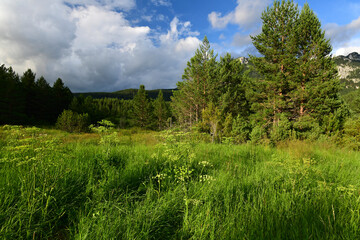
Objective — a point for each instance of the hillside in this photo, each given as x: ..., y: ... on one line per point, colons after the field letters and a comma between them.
x: 128, y: 94
x: 349, y: 70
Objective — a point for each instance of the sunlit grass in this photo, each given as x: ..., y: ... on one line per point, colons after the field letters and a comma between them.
x: 137, y: 184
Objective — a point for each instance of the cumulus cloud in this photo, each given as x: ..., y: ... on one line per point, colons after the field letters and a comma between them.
x: 28, y: 30
x: 342, y: 34
x: 91, y: 46
x: 246, y: 14
x: 352, y: 46
x: 241, y: 40
x: 344, y: 38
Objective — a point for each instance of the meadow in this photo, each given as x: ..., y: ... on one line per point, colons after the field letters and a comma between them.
x: 135, y: 184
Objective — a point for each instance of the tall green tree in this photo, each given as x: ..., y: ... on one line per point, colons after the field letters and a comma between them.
x: 43, y: 100
x: 161, y: 111
x: 142, y: 109
x: 232, y: 86
x: 317, y: 82
x: 277, y: 45
x: 12, y: 102
x: 198, y: 86
x: 62, y: 97
x: 29, y: 90
x: 299, y: 77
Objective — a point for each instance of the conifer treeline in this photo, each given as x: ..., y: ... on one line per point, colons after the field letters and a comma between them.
x: 25, y: 100
x: 139, y: 112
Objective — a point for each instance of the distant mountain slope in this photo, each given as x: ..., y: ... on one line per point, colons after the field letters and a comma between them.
x: 349, y: 70
x: 128, y: 94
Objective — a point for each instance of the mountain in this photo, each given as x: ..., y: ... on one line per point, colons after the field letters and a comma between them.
x: 128, y: 94
x: 349, y: 70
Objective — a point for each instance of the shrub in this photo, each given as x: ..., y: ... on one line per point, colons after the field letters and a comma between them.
x: 73, y: 122
x: 306, y: 127
x: 257, y: 135
x: 281, y: 131
x: 240, y: 129
x: 351, y: 135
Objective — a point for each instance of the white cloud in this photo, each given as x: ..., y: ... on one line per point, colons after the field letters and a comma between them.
x: 352, y: 46
x: 91, y: 47
x: 165, y: 3
x: 28, y: 30
x: 342, y: 34
x: 344, y: 38
x: 246, y: 14
x: 217, y: 21
x: 108, y: 4
x: 241, y: 40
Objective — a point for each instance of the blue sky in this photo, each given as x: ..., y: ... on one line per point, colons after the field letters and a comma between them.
x: 108, y: 45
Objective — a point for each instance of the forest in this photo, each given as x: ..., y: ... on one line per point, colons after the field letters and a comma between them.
x: 265, y: 150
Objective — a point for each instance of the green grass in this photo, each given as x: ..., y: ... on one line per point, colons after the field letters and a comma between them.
x: 55, y: 185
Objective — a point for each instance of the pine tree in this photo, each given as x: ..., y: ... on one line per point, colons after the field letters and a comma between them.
x: 212, y: 117
x: 142, y: 109
x: 12, y: 101
x: 232, y: 86
x: 317, y: 82
x: 28, y: 85
x: 161, y: 111
x: 277, y: 44
x: 299, y: 76
x: 62, y: 97
x: 198, y: 87
x: 43, y: 100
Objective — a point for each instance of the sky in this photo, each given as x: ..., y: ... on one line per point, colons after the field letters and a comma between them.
x: 109, y: 45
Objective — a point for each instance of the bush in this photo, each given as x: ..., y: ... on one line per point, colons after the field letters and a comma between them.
x: 306, y: 127
x: 73, y: 122
x: 281, y: 131
x: 351, y: 135
x: 257, y: 135
x: 240, y: 129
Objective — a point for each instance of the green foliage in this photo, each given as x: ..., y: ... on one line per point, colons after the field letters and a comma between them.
x: 161, y: 111
x: 103, y: 126
x: 54, y: 188
x: 240, y: 129
x: 299, y: 77
x: 12, y: 101
x: 334, y: 122
x: 211, y: 116
x: 73, y: 122
x: 142, y: 109
x: 227, y: 125
x: 306, y: 127
x: 232, y: 87
x: 198, y: 88
x: 282, y: 130
x: 351, y: 136
x: 352, y: 100
x: 25, y: 100
x: 257, y: 135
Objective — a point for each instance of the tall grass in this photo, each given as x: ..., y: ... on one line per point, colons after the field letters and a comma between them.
x: 59, y: 186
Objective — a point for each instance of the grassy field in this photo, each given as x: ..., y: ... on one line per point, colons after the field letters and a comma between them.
x: 145, y: 185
